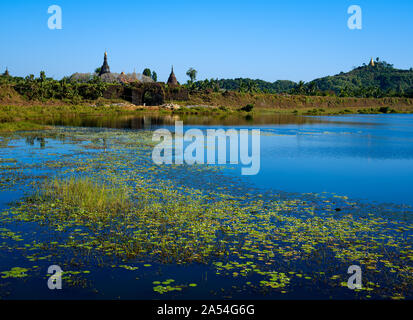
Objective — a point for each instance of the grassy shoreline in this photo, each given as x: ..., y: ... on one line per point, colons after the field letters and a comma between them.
x: 290, y: 103
x: 30, y: 117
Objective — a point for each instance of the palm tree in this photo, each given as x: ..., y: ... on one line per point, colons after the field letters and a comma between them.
x: 300, y: 88
x: 191, y: 73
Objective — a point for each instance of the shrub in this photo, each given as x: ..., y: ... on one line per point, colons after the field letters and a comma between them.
x: 247, y: 108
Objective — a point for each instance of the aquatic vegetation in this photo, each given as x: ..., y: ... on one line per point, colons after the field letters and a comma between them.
x: 112, y: 208
x: 276, y: 281
x: 85, y: 196
x: 16, y: 272
x: 164, y: 289
x: 6, y: 233
x: 128, y: 267
x: 164, y: 286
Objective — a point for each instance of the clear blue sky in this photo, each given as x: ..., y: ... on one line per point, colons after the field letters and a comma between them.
x: 266, y: 39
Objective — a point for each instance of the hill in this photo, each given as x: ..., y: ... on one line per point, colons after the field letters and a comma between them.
x: 376, y: 81
x: 381, y: 78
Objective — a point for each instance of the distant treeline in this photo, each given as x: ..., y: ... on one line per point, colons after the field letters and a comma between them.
x: 378, y: 81
x: 42, y: 88
x: 381, y: 80
x: 245, y: 85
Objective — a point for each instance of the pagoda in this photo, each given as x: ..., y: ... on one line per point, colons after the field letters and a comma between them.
x: 172, y: 79
x: 105, y: 67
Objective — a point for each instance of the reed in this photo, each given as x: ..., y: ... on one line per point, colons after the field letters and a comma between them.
x: 88, y: 195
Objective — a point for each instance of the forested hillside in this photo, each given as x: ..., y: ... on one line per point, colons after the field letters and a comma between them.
x: 382, y: 79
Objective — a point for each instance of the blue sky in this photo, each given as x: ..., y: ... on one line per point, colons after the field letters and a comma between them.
x: 269, y: 40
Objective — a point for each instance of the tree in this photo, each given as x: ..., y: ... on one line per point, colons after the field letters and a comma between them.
x: 191, y: 73
x: 312, y: 88
x: 154, y: 76
x: 147, y: 72
x: 97, y: 70
x: 252, y: 87
x: 42, y: 76
x: 299, y: 88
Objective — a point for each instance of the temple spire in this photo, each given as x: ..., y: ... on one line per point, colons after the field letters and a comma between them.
x: 172, y: 79
x: 105, y: 67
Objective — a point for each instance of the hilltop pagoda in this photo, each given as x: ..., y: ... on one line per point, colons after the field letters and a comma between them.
x: 371, y: 64
x: 105, y: 67
x: 172, y: 79
x: 6, y: 73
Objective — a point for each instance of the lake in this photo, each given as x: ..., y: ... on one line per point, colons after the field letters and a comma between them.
x: 331, y: 192
x: 364, y: 156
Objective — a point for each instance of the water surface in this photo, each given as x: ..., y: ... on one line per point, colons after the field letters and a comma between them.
x: 363, y: 156
x: 314, y: 170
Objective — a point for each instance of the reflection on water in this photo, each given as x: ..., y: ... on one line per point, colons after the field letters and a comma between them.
x: 151, y: 121
x: 31, y: 140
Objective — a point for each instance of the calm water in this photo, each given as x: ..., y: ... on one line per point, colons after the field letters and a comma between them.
x: 366, y: 157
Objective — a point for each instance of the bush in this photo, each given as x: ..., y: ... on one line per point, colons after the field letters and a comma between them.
x: 247, y: 108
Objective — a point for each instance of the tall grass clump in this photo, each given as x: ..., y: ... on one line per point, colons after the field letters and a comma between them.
x: 88, y: 195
